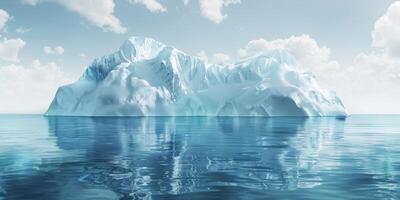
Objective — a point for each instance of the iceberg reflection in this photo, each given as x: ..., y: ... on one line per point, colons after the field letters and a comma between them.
x: 167, y: 155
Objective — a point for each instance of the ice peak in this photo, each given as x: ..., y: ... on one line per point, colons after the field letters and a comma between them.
x: 139, y: 41
x: 140, y: 48
x: 280, y: 56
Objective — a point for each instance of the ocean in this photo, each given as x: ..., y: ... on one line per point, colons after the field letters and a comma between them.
x: 75, y: 158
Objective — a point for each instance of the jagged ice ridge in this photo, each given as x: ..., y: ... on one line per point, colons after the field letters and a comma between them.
x: 148, y: 78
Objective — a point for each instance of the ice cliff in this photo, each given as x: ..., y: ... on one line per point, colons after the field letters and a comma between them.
x: 147, y: 78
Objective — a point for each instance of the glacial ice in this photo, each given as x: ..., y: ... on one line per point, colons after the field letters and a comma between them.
x: 148, y: 78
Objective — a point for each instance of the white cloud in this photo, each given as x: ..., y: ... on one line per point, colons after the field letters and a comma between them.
x: 309, y: 54
x: 371, y: 84
x: 47, y: 50
x: 29, y: 89
x: 203, y: 56
x: 387, y: 30
x: 9, y: 49
x: 220, y: 58
x: 83, y: 55
x: 4, y: 17
x: 30, y: 2
x: 152, y: 5
x: 217, y: 58
x: 22, y: 30
x: 302, y: 47
x: 212, y: 9
x: 56, y: 50
x: 98, y: 12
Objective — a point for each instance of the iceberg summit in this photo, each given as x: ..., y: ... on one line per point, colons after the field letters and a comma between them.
x: 147, y: 78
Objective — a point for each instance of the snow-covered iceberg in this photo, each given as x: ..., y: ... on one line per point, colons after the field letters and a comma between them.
x: 147, y: 78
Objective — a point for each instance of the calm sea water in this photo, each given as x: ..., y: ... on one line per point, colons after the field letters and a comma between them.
x: 199, y: 158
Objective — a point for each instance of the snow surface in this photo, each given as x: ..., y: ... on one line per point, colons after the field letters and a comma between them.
x: 147, y: 78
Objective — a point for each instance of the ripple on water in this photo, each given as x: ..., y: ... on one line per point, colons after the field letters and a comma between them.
x: 199, y: 158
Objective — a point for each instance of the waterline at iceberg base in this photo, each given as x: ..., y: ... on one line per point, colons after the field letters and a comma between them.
x: 148, y: 78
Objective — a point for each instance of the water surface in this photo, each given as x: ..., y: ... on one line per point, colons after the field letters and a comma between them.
x: 199, y: 158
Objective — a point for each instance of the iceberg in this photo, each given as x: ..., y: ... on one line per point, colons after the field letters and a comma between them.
x: 148, y: 78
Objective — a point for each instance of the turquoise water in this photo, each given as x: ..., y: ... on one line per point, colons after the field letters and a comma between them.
x: 199, y: 158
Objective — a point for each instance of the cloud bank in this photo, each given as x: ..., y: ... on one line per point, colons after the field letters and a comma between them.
x: 212, y: 9
x: 9, y: 49
x: 386, y: 33
x: 4, y: 17
x: 29, y: 89
x: 59, y: 50
x: 152, y: 5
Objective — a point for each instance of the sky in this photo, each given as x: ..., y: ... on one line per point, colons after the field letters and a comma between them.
x: 352, y: 47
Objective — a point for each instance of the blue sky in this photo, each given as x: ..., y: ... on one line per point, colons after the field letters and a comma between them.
x: 75, y: 32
